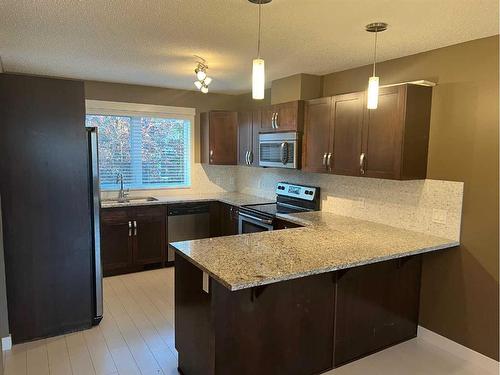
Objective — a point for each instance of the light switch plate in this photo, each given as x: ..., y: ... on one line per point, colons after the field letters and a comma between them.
x: 439, y: 216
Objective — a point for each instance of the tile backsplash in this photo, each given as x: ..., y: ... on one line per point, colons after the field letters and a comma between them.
x: 429, y: 206
x: 204, y: 179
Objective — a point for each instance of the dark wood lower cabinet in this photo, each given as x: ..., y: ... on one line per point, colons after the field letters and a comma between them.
x: 116, y: 243
x: 377, y: 306
x: 282, y: 328
x: 223, y: 219
x: 132, y: 238
x: 302, y: 326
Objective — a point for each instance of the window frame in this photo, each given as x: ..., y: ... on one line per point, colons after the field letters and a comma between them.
x: 109, y: 108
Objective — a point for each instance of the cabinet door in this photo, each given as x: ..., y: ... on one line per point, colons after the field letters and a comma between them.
x: 316, y: 145
x: 268, y: 114
x: 228, y: 219
x: 377, y: 306
x: 347, y: 126
x: 116, y: 241
x: 290, y: 116
x: 244, y: 137
x: 149, y: 235
x: 223, y: 135
x: 382, y: 135
x: 254, y: 151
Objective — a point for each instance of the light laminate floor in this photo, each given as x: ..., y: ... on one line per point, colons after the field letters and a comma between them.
x: 136, y: 337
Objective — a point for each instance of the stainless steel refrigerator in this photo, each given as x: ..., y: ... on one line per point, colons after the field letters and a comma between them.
x: 95, y: 205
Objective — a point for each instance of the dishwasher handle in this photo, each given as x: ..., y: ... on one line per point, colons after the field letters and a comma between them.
x: 188, y: 209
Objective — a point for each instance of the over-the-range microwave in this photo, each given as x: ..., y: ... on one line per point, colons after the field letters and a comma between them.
x: 279, y: 150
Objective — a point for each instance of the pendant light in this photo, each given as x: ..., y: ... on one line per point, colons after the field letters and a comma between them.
x: 373, y: 81
x: 258, y: 67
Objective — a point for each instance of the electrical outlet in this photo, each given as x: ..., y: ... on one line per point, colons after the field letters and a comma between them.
x: 439, y: 216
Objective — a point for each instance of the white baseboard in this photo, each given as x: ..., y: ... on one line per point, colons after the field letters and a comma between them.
x: 6, y: 343
x: 487, y: 363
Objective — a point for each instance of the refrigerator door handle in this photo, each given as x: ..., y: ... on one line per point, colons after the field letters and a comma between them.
x: 96, y: 206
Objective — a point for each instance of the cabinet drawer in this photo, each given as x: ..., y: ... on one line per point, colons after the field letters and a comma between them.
x: 115, y: 215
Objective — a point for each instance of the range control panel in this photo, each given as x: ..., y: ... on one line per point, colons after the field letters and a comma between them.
x: 307, y: 193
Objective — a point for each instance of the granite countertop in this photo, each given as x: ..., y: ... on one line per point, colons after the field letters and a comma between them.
x: 328, y: 242
x: 235, y: 199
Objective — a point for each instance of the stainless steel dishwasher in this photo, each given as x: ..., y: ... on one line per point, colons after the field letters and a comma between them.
x: 187, y: 221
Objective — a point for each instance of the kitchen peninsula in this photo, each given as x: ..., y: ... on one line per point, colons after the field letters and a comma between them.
x: 297, y: 301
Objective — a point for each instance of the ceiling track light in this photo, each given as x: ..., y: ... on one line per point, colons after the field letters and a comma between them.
x: 258, y: 66
x: 202, y: 80
x: 373, y: 81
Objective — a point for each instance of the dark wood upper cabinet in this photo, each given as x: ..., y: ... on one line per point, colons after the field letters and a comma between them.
x: 346, y: 133
x: 316, y: 142
x: 396, y: 134
x: 244, y: 137
x: 248, y: 137
x: 388, y: 142
x: 283, y: 117
x: 219, y: 137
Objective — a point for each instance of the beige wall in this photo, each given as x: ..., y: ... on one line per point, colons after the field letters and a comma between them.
x: 460, y: 289
x: 299, y: 86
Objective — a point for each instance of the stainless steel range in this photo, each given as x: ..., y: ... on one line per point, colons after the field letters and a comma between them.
x: 290, y: 198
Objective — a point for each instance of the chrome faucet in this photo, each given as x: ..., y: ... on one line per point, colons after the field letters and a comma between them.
x: 122, y: 193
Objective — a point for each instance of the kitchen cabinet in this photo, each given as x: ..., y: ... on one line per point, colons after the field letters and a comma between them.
x: 377, y: 306
x: 219, y: 137
x: 316, y: 141
x: 132, y: 238
x: 396, y: 134
x: 283, y: 117
x: 223, y: 219
x: 116, y: 244
x: 306, y: 325
x: 150, y: 235
x: 248, y: 137
x: 341, y: 136
x: 346, y: 132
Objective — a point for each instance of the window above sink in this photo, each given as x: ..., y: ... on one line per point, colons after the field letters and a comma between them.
x: 151, y: 146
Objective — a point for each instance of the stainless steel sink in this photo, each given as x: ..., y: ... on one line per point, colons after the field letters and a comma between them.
x: 129, y: 200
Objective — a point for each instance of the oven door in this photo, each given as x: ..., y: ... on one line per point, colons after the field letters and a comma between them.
x: 251, y: 224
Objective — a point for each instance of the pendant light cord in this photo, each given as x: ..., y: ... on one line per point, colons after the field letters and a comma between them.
x: 375, y: 54
x: 258, y: 40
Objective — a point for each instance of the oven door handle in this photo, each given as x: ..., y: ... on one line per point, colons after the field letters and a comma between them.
x: 264, y: 221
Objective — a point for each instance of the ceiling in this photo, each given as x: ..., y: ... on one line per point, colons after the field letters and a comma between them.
x: 153, y: 42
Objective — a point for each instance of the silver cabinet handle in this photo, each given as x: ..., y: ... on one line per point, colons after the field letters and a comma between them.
x: 250, y: 157
x: 129, y: 228
x: 362, y: 163
x: 211, y: 154
x: 135, y: 228
x: 273, y: 120
x: 324, y: 159
x: 329, y: 161
x: 246, y: 157
x: 276, y: 121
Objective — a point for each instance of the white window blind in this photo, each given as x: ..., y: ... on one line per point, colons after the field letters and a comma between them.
x: 150, y: 152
